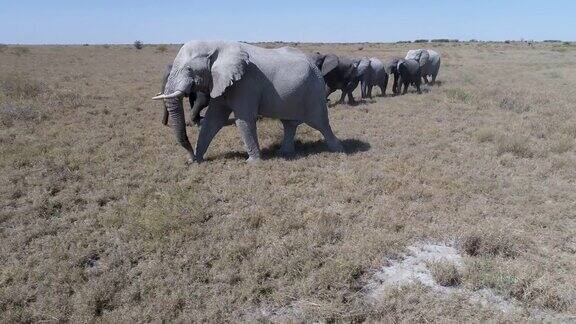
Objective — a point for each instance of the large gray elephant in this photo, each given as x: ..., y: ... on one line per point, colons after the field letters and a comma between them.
x: 372, y: 73
x: 249, y: 81
x: 429, y: 62
x: 198, y: 101
x: 410, y: 72
x: 340, y: 73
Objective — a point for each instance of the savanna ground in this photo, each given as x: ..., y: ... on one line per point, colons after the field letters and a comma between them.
x: 100, y: 218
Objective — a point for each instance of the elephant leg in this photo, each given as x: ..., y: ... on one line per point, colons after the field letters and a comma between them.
x: 363, y: 90
x: 384, y: 85
x: 247, y: 127
x: 370, y: 91
x: 351, y: 100
x: 323, y: 126
x: 329, y: 91
x: 405, y: 88
x: 425, y: 78
x: 418, y: 87
x: 289, y: 133
x: 396, y: 84
x: 192, y: 101
x: 433, y: 79
x: 216, y: 118
x: 200, y: 103
x: 342, y: 96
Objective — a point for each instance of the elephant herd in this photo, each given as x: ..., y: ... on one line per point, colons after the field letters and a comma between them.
x: 283, y: 83
x: 345, y: 74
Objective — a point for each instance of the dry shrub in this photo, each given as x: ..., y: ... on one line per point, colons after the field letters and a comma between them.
x: 445, y: 273
x: 17, y: 86
x: 517, y: 145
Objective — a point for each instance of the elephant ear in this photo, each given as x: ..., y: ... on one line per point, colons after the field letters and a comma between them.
x: 424, y: 58
x: 330, y: 63
x: 230, y: 62
x: 363, y: 65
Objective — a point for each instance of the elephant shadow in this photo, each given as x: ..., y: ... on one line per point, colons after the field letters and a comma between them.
x: 303, y: 149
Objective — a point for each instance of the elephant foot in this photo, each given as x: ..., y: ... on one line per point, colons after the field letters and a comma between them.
x: 253, y: 160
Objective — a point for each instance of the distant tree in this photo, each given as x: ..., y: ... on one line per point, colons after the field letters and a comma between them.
x: 403, y: 42
x: 421, y: 41
x: 440, y: 40
x: 138, y: 44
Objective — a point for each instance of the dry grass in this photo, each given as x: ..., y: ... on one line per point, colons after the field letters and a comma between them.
x: 445, y: 273
x: 100, y: 219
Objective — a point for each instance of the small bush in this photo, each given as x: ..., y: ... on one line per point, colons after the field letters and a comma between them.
x: 445, y: 273
x: 86, y: 44
x: 106, y: 46
x: 138, y: 45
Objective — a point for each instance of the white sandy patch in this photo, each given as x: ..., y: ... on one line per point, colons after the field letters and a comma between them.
x: 413, y: 268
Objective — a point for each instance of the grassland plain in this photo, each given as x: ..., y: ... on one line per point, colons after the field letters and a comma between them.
x: 100, y: 219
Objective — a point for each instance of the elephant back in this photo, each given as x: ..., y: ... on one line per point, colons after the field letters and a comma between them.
x: 421, y: 56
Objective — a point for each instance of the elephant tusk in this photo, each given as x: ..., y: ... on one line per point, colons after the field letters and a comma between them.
x: 174, y: 94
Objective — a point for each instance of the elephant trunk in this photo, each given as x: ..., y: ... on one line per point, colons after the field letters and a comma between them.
x: 178, y: 124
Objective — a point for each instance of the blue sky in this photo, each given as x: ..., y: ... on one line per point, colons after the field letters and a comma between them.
x: 107, y: 21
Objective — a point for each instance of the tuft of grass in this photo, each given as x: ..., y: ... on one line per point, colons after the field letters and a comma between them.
x: 445, y: 273
x: 517, y: 145
x: 457, y: 95
x: 485, y: 134
x: 491, y: 242
x: 514, y: 102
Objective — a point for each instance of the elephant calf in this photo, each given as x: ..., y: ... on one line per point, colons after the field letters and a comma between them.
x: 410, y: 73
x: 392, y: 69
x: 372, y: 73
x: 340, y: 73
